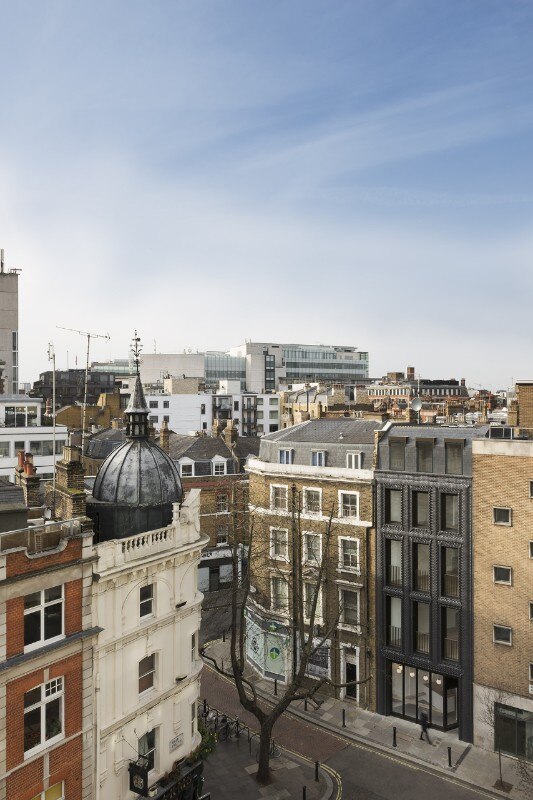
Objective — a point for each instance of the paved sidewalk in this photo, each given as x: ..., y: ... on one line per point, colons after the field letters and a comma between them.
x: 470, y: 764
x: 229, y: 774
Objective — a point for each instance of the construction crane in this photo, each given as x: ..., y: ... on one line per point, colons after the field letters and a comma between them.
x: 89, y: 336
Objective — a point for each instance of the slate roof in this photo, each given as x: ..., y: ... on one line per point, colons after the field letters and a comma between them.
x: 197, y: 448
x: 10, y: 494
x: 328, y: 431
x: 101, y: 444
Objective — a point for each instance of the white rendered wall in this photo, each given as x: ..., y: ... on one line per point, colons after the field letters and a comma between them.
x: 168, y: 559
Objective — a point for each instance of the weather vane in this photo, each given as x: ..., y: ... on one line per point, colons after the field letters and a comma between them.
x: 136, y: 350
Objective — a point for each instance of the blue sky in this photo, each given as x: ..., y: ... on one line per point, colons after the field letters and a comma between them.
x: 335, y: 172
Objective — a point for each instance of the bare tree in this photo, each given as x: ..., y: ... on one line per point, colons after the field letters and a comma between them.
x: 311, y: 626
x: 489, y: 700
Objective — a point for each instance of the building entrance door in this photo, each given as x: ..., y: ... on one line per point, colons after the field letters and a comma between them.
x: 214, y: 579
x: 414, y: 690
x: 351, y: 675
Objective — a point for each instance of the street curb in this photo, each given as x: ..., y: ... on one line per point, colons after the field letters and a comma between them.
x: 328, y: 794
x: 376, y: 746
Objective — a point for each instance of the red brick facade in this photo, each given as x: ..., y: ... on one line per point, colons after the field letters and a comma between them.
x: 18, y: 563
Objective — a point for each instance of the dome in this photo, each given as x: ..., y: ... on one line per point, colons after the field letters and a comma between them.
x: 137, y: 483
x: 138, y: 473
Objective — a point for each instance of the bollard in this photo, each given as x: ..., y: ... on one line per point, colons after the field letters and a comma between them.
x: 224, y: 635
x: 305, y: 704
x: 316, y: 770
x: 276, y: 686
x: 449, y: 757
x: 304, y: 792
x: 205, y: 707
x: 250, y: 746
x: 343, y: 717
x: 394, y: 736
x: 237, y: 731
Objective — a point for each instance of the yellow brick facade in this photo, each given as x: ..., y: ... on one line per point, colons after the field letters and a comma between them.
x: 345, y: 639
x: 502, y: 472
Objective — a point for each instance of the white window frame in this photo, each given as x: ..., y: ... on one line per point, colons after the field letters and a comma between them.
x: 285, y: 456
x: 356, y: 570
x: 318, y: 456
x: 357, y: 592
x: 152, y: 672
x: 222, y: 541
x: 498, y: 641
x: 318, y: 611
x: 40, y: 609
x: 502, y: 508
x: 187, y: 466
x: 503, y: 583
x: 355, y: 516
x: 147, y: 601
x: 273, y: 547
x: 42, y: 795
x: 354, y: 459
x: 274, y: 486
x: 305, y: 554
x: 193, y: 719
x: 281, y: 609
x: 219, y: 468
x: 225, y: 509
x: 154, y: 748
x: 194, y: 648
x: 59, y: 685
x: 305, y: 508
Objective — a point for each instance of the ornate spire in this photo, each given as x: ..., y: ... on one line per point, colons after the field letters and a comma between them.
x: 137, y: 411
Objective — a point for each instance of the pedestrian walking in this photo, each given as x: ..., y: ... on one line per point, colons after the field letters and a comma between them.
x: 424, y: 724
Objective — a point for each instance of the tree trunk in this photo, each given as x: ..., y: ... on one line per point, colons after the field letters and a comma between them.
x: 263, y: 772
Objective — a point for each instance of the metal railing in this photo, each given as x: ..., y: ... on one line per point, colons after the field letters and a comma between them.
x: 395, y: 636
x: 451, y: 649
x: 451, y: 585
x: 422, y: 642
x: 394, y: 575
x: 422, y: 580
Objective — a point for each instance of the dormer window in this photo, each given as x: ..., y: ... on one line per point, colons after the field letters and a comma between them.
x: 285, y: 456
x: 318, y: 458
x: 219, y: 468
x: 354, y: 460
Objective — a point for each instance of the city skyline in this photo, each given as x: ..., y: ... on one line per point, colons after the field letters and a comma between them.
x: 356, y: 174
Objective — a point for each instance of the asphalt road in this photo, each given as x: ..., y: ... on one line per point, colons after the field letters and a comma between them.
x: 365, y: 774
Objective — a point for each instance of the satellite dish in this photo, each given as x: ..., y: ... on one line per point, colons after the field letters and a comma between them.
x: 416, y: 405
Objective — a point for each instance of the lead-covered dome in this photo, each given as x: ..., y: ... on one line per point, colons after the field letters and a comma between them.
x: 137, y: 483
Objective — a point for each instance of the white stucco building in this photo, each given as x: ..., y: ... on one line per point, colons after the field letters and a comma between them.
x: 147, y: 606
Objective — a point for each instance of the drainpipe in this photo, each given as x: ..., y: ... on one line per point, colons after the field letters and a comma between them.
x: 97, y: 738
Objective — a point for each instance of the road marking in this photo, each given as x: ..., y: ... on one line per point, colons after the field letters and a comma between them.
x: 345, y: 740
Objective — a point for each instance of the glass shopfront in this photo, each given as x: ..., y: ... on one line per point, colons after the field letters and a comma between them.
x: 414, y: 690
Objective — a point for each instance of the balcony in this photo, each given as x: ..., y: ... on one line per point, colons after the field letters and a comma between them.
x: 394, y: 575
x: 422, y: 642
x: 394, y: 638
x: 451, y: 649
x: 451, y: 585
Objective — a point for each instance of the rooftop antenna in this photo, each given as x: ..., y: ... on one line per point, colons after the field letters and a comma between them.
x: 2, y: 260
x: 52, y: 358
x: 89, y: 336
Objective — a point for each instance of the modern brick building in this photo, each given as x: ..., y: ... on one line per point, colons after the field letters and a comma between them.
x: 423, y: 566
x: 503, y: 593
x: 311, y: 503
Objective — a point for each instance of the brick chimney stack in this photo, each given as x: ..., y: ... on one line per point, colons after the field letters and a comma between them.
x: 26, y: 477
x: 230, y: 434
x: 70, y: 487
x: 164, y: 437
x: 410, y: 373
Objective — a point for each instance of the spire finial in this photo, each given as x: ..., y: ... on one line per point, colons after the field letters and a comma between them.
x: 136, y: 349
